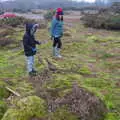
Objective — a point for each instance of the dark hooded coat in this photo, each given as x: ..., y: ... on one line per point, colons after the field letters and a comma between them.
x: 29, y: 41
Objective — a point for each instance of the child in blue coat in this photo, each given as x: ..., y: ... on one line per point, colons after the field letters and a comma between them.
x: 57, y: 32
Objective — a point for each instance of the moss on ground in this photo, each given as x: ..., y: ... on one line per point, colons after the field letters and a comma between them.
x: 31, y: 106
x: 63, y: 114
x: 3, y: 108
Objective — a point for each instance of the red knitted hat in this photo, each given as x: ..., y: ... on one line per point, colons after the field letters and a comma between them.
x: 59, y: 11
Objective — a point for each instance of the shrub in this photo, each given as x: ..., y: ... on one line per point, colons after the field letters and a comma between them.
x: 108, y: 18
x: 6, y: 42
x: 105, y: 21
x: 6, y: 37
x: 14, y: 22
x: 113, y: 22
x: 49, y: 15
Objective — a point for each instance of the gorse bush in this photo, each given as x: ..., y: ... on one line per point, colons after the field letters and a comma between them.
x: 6, y: 41
x: 14, y: 22
x: 49, y: 15
x: 113, y: 22
x: 102, y: 21
x: 5, y: 37
x: 105, y: 18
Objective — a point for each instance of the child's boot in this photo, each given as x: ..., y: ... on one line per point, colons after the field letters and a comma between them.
x: 54, y: 51
x: 58, y: 53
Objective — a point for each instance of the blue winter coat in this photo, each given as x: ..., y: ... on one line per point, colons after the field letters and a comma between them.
x: 56, y: 28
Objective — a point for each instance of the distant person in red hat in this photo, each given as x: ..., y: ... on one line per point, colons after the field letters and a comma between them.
x: 57, y: 32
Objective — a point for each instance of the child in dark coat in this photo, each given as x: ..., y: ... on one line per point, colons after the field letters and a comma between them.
x: 29, y: 44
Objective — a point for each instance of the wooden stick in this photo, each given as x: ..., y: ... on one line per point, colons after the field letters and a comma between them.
x: 12, y: 91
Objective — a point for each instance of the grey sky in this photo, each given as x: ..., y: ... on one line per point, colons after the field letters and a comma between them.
x: 86, y: 0
x: 73, y: 0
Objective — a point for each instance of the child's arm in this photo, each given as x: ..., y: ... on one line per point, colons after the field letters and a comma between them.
x: 53, y: 24
x: 37, y: 42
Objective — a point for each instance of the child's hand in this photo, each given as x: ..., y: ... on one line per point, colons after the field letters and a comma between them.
x: 61, y: 34
x: 34, y: 49
x: 39, y: 43
x: 51, y: 38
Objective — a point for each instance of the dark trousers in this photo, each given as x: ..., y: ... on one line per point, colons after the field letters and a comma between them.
x: 57, y: 42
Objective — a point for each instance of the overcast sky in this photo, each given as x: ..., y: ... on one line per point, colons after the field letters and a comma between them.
x: 73, y: 0
x: 86, y: 0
